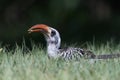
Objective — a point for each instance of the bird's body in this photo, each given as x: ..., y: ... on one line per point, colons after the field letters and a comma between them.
x: 69, y: 53
x: 53, y: 40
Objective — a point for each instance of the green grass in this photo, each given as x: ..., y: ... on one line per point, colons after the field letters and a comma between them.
x: 35, y: 65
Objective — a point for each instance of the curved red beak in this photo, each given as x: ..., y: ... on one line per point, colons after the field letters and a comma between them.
x: 39, y: 28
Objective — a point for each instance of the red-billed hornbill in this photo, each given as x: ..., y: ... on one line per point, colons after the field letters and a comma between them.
x: 53, y: 39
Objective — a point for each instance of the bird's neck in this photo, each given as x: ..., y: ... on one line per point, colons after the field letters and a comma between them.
x: 53, y: 45
x: 52, y: 50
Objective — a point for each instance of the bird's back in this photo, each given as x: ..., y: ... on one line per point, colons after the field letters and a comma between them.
x: 74, y: 53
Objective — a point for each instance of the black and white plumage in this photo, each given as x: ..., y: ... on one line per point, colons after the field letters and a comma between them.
x: 53, y: 40
x: 75, y: 53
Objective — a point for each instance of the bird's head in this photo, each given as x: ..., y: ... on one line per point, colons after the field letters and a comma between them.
x: 52, y: 35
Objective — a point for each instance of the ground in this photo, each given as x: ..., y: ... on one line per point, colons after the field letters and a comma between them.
x: 35, y: 65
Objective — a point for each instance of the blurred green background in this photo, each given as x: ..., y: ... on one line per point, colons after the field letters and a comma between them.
x: 76, y: 20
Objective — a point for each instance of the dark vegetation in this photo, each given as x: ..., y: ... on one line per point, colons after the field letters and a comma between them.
x: 77, y: 20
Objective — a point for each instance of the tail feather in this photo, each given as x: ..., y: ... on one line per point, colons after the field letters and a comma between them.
x: 91, y: 55
x: 107, y: 56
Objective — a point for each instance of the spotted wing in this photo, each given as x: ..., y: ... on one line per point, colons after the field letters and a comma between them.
x: 72, y: 53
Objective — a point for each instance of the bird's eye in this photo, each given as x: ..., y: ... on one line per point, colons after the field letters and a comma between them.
x: 53, y: 33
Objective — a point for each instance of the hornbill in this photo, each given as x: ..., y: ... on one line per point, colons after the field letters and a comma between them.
x: 53, y: 40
